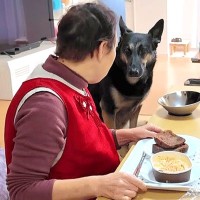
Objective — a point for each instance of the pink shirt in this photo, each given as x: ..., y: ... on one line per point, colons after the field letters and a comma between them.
x: 27, y: 177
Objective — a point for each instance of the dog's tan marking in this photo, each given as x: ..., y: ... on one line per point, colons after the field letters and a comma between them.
x: 123, y: 55
x: 121, y: 101
x: 108, y: 119
x: 124, y: 58
x: 149, y: 57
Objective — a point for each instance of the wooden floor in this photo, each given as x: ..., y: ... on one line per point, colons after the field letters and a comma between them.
x: 3, y: 109
x: 168, y: 72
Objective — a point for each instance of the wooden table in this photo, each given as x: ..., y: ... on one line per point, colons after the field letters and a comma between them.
x: 189, y: 125
x: 184, y: 44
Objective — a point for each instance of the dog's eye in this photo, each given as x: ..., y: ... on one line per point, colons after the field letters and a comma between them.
x: 128, y: 51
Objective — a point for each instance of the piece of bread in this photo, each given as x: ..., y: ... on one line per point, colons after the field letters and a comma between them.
x: 182, y: 148
x: 168, y: 140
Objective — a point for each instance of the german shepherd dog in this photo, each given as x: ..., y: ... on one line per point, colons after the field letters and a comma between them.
x: 119, y: 96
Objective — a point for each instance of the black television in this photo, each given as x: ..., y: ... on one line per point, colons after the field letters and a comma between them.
x: 24, y: 24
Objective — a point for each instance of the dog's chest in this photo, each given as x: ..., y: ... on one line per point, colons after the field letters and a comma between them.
x: 122, y: 101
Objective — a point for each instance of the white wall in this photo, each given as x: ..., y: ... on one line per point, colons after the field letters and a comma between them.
x: 144, y: 15
x: 181, y: 19
x: 129, y: 7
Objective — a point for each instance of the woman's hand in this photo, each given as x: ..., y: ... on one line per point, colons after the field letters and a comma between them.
x: 117, y: 186
x: 146, y: 131
x: 125, y: 136
x: 120, y: 186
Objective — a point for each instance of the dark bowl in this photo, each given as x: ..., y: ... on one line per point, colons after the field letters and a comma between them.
x: 171, y: 167
x: 180, y: 102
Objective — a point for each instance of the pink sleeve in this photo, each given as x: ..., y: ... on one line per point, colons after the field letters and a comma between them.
x: 41, y: 126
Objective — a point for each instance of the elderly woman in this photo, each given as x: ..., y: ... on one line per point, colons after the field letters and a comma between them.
x: 56, y: 145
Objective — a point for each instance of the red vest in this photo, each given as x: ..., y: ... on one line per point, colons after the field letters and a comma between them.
x: 89, y: 148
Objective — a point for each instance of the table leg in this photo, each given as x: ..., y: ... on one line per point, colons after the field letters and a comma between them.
x: 185, y: 49
x: 172, y: 49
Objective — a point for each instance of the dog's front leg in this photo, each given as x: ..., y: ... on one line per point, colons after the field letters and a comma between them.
x: 134, y: 121
x: 121, y: 120
x: 108, y: 119
x: 134, y: 116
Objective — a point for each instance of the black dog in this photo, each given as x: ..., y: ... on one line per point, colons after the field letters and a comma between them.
x: 119, y: 96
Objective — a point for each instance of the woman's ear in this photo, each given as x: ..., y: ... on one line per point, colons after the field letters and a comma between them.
x: 102, y: 50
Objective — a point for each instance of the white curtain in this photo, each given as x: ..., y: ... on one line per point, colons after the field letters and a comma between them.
x: 14, y: 24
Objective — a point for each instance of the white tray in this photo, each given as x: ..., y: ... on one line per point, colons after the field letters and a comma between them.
x: 145, y: 174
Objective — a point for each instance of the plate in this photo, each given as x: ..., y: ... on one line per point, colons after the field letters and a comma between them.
x: 147, y: 175
x: 134, y: 157
x: 190, y: 140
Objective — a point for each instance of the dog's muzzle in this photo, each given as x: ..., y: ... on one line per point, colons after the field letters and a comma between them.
x: 133, y: 72
x: 133, y: 75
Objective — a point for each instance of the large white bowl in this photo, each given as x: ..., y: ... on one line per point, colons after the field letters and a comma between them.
x: 180, y: 102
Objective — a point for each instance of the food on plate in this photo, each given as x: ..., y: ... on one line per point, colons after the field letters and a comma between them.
x: 171, y: 167
x: 167, y: 163
x: 169, y: 141
x: 183, y: 148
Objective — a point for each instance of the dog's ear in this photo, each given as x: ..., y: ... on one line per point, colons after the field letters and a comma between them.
x: 156, y: 32
x: 123, y: 27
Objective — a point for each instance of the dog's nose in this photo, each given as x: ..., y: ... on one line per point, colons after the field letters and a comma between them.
x: 133, y: 72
